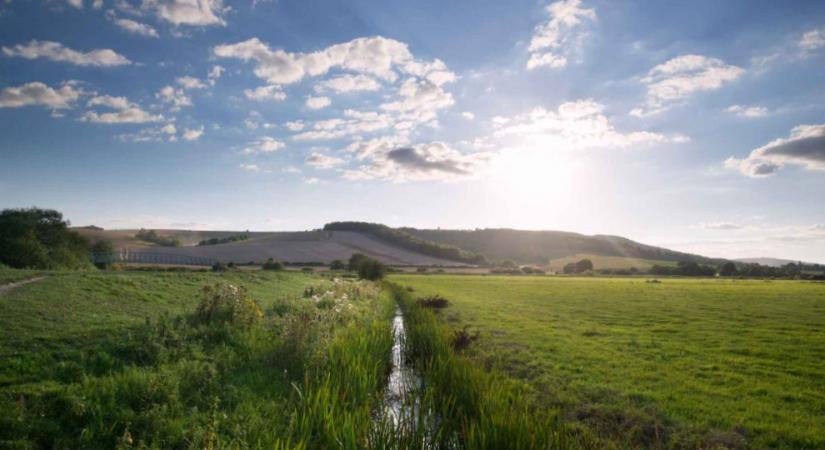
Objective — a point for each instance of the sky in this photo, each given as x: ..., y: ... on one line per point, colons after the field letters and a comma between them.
x: 698, y: 126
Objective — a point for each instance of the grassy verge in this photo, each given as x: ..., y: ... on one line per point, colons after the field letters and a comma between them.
x: 154, y: 360
x: 473, y: 408
x: 684, y: 363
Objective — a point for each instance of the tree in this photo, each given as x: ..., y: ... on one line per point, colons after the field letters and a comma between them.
x: 271, y: 264
x: 569, y: 268
x: 584, y: 265
x: 337, y: 265
x: 40, y: 239
x: 355, y: 261
x: 372, y: 269
x: 728, y: 269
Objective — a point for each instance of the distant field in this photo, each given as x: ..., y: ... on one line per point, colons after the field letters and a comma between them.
x: 309, y: 246
x: 607, y: 262
x: 681, y: 363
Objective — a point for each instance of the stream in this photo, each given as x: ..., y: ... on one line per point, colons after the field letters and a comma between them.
x: 399, y: 402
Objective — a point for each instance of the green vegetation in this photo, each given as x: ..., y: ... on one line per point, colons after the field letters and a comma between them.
x: 40, y: 239
x: 153, y: 237
x: 224, y: 240
x: 405, y: 240
x: 271, y: 264
x: 473, y: 408
x: 155, y: 360
x: 684, y: 363
x: 607, y: 263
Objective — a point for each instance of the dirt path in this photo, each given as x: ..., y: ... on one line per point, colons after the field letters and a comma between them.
x: 5, y: 288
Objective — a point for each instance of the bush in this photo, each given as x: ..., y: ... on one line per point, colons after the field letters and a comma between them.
x: 271, y: 264
x: 433, y: 302
x: 226, y: 303
x: 337, y: 265
x: 355, y: 261
x: 372, y: 269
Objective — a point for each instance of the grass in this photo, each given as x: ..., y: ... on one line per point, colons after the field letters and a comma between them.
x: 607, y: 262
x: 8, y: 275
x: 683, y: 363
x: 149, y: 360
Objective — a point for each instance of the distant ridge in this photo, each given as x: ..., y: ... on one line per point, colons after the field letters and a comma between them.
x: 537, y: 247
x: 771, y: 262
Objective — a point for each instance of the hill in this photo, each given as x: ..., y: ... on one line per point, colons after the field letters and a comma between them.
x: 770, y: 262
x: 538, y: 247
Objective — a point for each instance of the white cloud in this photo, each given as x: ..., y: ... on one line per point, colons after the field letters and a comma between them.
x: 750, y: 112
x: 174, y: 97
x: 55, y: 51
x: 322, y: 161
x: 312, y: 180
x: 348, y: 83
x: 468, y: 115
x: 376, y: 56
x: 573, y: 125
x: 317, y: 102
x: 190, y: 82
x: 295, y: 125
x: 560, y: 36
x: 726, y: 226
x: 135, y: 27
x: 435, y: 161
x: 254, y: 168
x: 37, y: 93
x: 187, y: 12
x: 812, y: 40
x: 265, y: 93
x: 671, y: 82
x: 353, y: 123
x: 215, y: 73
x: 97, y: 4
x: 265, y: 144
x: 193, y: 134
x: 75, y: 3
x: 124, y: 111
x: 804, y: 147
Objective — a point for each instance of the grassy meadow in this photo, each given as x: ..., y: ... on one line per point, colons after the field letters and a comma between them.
x: 191, y: 360
x: 683, y: 363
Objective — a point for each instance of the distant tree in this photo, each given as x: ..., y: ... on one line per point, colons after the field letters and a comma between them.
x: 271, y: 264
x: 569, y: 268
x: 355, y: 261
x: 337, y: 265
x: 728, y: 269
x: 102, y: 248
x: 40, y: 239
x: 371, y: 269
x: 508, y: 264
x: 584, y: 265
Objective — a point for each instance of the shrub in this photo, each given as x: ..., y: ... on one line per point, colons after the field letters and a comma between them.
x: 337, y: 265
x: 355, y: 261
x: 584, y: 265
x: 461, y: 339
x: 433, y: 302
x: 372, y: 269
x: 271, y: 264
x: 421, y: 270
x: 227, y: 303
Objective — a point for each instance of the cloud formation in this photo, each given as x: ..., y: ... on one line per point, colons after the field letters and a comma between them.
x: 573, y: 125
x: 804, y: 147
x: 318, y: 102
x: 376, y: 56
x: 123, y: 111
x: 322, y: 161
x: 56, y: 51
x: 671, y: 82
x: 37, y: 93
x: 187, y: 12
x: 265, y: 93
x: 348, y: 83
x: 435, y: 161
x: 555, y: 40
x: 135, y: 27
x: 265, y: 144
x: 749, y: 112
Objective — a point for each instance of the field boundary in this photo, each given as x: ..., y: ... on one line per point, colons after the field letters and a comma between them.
x: 8, y: 287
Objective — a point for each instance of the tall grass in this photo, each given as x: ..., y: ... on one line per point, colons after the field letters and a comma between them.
x: 470, y: 407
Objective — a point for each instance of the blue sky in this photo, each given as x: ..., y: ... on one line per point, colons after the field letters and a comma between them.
x: 698, y: 125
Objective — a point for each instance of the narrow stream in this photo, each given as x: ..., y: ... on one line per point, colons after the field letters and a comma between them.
x: 399, y: 404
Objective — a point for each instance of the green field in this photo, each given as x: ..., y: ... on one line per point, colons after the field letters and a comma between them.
x: 150, y: 360
x: 607, y: 262
x: 685, y: 363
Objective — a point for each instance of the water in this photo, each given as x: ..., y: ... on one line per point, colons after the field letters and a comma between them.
x: 403, y: 382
